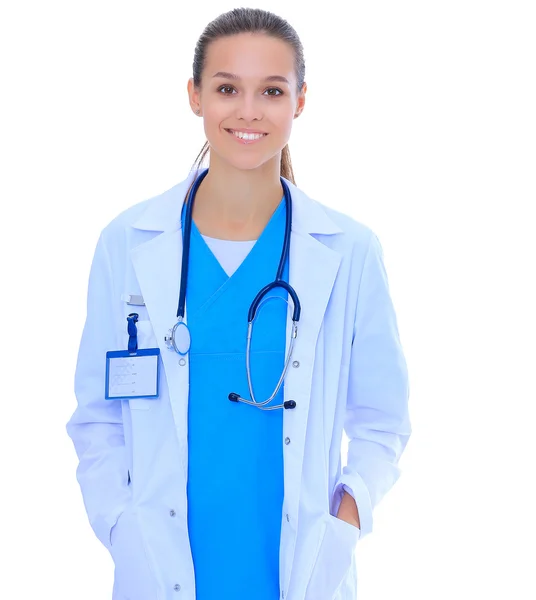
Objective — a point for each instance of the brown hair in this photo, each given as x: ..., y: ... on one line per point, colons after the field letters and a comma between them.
x: 249, y: 20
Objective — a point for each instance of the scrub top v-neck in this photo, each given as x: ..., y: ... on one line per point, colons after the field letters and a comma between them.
x: 230, y: 253
x: 235, y: 451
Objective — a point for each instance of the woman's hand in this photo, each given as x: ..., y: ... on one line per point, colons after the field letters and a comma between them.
x: 348, y: 511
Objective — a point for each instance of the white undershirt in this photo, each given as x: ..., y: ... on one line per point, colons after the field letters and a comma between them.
x: 230, y: 253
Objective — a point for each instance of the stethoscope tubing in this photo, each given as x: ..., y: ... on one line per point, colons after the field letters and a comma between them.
x: 255, y: 305
x: 284, y: 256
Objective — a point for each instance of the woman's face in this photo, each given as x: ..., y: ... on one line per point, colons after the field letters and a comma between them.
x: 237, y: 93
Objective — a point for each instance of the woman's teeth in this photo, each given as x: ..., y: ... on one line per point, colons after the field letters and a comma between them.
x: 247, y: 136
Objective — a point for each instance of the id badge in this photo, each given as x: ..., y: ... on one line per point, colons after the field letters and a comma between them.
x: 132, y: 374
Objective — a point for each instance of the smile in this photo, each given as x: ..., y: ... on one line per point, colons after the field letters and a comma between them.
x: 246, y: 138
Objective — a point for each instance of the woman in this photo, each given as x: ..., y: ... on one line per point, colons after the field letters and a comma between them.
x: 196, y: 492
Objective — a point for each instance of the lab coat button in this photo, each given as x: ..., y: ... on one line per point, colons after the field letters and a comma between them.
x: 287, y: 518
x: 172, y: 513
x: 287, y: 441
x: 296, y: 364
x: 177, y: 587
x: 182, y: 362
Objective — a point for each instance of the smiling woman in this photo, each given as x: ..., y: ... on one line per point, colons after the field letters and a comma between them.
x: 197, y: 491
x: 234, y: 87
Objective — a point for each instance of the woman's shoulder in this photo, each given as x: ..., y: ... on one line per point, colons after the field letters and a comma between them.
x: 351, y: 226
x: 351, y: 234
x: 128, y: 216
x: 155, y: 214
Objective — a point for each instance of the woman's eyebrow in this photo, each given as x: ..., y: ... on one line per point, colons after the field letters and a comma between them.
x: 226, y: 75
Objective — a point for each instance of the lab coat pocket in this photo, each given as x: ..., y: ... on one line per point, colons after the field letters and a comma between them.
x: 146, y: 339
x: 133, y: 579
x: 334, y: 559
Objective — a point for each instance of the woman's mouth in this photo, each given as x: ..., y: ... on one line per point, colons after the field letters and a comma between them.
x: 246, y: 138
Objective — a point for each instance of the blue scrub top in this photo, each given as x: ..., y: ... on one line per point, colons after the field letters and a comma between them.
x: 235, y: 454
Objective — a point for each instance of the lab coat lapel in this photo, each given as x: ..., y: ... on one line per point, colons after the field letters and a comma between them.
x: 157, y: 264
x: 312, y: 272
x: 158, y: 267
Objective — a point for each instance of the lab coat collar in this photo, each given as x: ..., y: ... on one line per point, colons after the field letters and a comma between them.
x: 163, y: 212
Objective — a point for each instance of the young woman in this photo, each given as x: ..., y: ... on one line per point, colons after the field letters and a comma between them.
x: 210, y: 418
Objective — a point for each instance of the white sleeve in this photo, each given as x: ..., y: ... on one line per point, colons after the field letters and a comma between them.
x: 96, y: 426
x: 377, y: 420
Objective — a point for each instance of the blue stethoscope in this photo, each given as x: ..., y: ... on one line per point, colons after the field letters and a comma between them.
x: 179, y: 339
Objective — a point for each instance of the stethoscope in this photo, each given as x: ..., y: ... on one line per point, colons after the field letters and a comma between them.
x: 179, y: 339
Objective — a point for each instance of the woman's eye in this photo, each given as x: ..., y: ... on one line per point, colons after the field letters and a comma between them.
x: 274, y: 90
x: 225, y: 87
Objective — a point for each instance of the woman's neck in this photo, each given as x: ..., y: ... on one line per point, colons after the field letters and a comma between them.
x: 237, y: 204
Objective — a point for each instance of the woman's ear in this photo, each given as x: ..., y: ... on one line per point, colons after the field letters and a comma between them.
x: 301, y: 101
x: 193, y: 96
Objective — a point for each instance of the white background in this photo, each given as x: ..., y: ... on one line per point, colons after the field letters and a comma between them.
x: 419, y: 122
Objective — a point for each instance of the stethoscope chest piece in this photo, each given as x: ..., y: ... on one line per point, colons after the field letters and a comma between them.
x: 179, y: 338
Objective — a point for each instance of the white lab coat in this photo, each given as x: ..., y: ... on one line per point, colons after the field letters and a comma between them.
x: 347, y: 371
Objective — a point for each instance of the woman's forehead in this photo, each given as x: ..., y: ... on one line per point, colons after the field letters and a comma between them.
x: 250, y: 56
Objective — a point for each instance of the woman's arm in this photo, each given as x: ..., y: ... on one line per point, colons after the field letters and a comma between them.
x: 377, y: 420
x: 96, y: 427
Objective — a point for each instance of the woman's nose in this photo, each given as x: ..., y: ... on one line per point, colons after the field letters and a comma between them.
x: 249, y: 109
